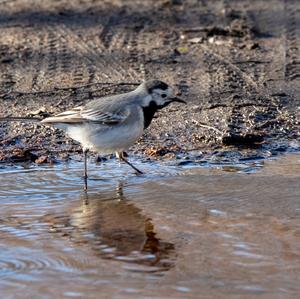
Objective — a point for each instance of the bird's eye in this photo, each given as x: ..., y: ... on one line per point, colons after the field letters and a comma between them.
x: 163, y: 95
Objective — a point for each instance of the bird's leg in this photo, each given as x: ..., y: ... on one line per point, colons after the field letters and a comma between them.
x: 85, y: 152
x: 120, y: 155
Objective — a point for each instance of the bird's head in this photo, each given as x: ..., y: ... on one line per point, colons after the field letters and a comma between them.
x: 159, y: 94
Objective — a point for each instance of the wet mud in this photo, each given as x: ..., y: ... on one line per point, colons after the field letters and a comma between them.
x: 236, y: 63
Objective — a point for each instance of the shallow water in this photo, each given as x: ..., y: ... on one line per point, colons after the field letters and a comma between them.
x: 219, y: 231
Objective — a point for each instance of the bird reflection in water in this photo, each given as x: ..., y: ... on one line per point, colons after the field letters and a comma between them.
x: 116, y: 229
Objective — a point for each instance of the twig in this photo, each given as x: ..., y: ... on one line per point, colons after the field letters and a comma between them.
x: 207, y: 126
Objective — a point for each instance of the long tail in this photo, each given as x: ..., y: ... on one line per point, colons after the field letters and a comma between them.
x: 20, y: 118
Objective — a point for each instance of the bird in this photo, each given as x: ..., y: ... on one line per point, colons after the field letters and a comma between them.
x: 111, y: 124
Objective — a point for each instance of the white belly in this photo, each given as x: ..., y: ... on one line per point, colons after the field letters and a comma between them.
x: 105, y: 139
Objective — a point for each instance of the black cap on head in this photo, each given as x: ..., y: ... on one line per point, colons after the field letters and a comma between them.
x: 155, y: 84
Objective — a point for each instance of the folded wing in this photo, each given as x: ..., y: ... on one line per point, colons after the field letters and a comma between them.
x: 81, y: 115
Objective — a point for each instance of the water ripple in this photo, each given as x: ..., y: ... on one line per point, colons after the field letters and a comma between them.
x: 213, y: 230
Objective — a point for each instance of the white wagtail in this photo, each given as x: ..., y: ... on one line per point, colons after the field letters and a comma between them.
x: 112, y: 124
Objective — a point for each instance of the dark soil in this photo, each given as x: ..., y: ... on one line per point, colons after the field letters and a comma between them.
x: 236, y: 63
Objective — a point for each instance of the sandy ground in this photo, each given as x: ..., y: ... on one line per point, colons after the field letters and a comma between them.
x: 235, y: 62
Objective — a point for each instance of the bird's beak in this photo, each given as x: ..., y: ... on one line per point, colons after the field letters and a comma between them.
x: 175, y: 99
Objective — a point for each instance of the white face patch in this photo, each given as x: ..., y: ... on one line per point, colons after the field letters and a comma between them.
x: 161, y: 96
x: 147, y: 100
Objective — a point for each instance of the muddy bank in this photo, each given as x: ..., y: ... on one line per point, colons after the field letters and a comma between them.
x: 235, y: 62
